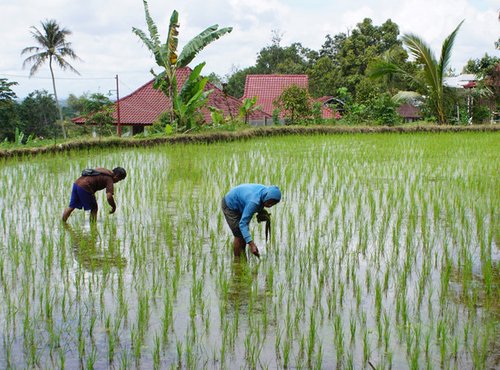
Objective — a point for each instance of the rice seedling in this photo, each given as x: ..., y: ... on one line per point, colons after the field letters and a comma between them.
x: 384, y: 252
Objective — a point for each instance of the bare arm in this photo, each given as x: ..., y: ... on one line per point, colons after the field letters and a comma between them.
x: 111, y: 202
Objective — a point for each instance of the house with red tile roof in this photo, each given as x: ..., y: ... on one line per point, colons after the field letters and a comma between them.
x: 267, y: 88
x: 145, y: 105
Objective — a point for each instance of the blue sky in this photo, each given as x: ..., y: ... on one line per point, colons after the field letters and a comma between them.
x: 102, y: 34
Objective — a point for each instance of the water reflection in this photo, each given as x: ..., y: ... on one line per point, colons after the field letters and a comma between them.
x: 240, y: 284
x: 91, y: 252
x: 244, y: 293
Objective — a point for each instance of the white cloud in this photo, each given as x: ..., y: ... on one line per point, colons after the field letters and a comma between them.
x: 102, y: 33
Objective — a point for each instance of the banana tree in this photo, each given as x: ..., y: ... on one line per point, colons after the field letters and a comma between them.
x: 248, y: 106
x: 433, y: 70
x: 191, y: 97
x: 168, y: 58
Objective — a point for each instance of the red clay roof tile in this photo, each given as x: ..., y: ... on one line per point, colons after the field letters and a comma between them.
x: 146, y: 104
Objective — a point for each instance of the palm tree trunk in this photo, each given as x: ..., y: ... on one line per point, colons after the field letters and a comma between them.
x: 55, y: 96
x: 440, y: 109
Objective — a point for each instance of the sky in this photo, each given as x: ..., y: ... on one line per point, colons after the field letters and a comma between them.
x: 103, y: 39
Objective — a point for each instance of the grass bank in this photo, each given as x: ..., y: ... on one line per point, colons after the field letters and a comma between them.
x: 221, y: 136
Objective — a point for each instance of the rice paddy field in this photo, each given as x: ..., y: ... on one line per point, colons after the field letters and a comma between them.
x: 384, y: 254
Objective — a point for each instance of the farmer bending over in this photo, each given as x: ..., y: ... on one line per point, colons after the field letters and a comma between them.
x: 239, y: 206
x: 85, y: 187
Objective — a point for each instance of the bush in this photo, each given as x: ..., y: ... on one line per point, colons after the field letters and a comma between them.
x: 383, y: 111
x: 480, y: 114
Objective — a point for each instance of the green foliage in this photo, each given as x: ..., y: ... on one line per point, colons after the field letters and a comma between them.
x: 483, y: 67
x: 217, y: 116
x: 248, y: 106
x: 480, y: 114
x: 38, y: 114
x: 162, y: 125
x: 98, y: 110
x: 354, y: 52
x: 317, y: 113
x: 167, y: 56
x: 433, y: 71
x: 274, y: 59
x: 294, y: 103
x: 8, y: 110
x: 324, y: 77
x: 236, y: 82
x: 293, y: 59
x: 276, y: 116
x: 216, y: 80
x: 75, y: 106
x: 191, y: 97
x: 487, y: 90
x: 9, y: 119
x: 6, y: 93
x: 356, y: 113
x: 20, y: 138
x: 384, y: 110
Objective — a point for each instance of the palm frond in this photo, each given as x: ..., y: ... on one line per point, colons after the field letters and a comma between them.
x: 382, y: 68
x: 64, y: 64
x: 37, y: 64
x: 195, y: 45
x: 446, y: 50
x: 423, y: 54
x: 30, y: 49
x: 407, y: 97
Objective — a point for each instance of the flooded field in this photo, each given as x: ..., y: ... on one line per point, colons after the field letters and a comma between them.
x: 384, y: 254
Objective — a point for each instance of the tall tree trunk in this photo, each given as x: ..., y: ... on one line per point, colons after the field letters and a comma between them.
x: 55, y: 96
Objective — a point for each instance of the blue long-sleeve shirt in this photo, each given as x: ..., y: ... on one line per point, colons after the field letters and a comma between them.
x: 249, y: 199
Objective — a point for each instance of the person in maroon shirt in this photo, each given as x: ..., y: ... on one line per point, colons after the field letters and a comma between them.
x: 85, y: 187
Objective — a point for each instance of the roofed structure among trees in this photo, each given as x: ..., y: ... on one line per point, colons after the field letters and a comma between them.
x: 267, y: 88
x: 145, y: 105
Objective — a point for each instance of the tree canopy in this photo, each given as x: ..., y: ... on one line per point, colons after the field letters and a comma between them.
x: 52, y: 46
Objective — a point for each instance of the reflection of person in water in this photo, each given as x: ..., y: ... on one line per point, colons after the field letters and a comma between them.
x: 88, y: 251
x: 241, y: 293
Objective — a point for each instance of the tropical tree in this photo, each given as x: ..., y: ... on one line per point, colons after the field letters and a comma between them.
x: 167, y: 57
x: 433, y: 70
x: 191, y: 97
x: 324, y: 77
x: 52, y: 47
x: 98, y: 111
x: 8, y: 110
x: 38, y: 115
x: 295, y: 103
x: 248, y: 106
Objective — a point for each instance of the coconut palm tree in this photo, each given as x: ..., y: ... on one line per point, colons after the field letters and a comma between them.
x: 52, y: 47
x: 433, y: 70
x: 166, y: 55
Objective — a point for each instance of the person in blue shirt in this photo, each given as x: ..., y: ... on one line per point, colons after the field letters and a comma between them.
x: 240, y: 204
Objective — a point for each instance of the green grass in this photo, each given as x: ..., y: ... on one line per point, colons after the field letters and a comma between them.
x: 384, y: 253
